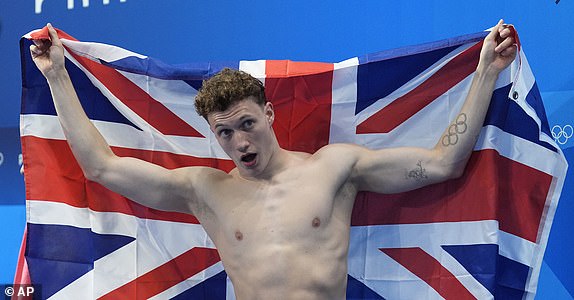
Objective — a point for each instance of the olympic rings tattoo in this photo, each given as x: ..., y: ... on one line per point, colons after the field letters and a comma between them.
x: 459, y: 127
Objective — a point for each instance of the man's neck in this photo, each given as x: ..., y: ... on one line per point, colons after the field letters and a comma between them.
x: 279, y: 161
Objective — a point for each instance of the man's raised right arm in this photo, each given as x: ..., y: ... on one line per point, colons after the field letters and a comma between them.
x: 146, y: 183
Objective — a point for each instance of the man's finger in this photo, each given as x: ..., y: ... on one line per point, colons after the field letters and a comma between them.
x: 504, y: 32
x: 53, y: 35
x: 494, y: 32
x: 35, y: 51
x: 507, y: 26
x: 510, y: 51
x: 507, y: 42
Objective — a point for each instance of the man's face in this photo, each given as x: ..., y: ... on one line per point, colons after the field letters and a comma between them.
x: 245, y: 134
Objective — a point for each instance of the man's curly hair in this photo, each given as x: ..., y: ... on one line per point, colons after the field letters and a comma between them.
x: 227, y: 88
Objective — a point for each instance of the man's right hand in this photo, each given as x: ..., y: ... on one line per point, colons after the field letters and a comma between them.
x: 48, y: 55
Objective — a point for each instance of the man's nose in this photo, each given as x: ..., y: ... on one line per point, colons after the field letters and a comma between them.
x: 241, y: 142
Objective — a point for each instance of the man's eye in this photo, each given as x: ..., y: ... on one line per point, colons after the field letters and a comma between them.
x: 225, y: 133
x: 248, y: 124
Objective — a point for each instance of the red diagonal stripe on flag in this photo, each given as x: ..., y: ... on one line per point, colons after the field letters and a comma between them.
x: 480, y: 194
x: 400, y: 110
x: 430, y: 271
x: 52, y: 161
x: 149, y: 109
x: 167, y: 275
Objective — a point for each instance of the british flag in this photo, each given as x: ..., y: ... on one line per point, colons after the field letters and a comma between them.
x: 481, y: 236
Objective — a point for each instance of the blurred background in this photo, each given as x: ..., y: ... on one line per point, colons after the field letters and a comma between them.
x: 182, y: 31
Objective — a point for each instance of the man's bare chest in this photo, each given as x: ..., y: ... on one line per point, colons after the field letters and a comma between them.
x: 290, y: 211
x: 297, y: 206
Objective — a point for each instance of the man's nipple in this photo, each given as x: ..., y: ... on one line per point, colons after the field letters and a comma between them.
x: 238, y: 235
x: 316, y: 222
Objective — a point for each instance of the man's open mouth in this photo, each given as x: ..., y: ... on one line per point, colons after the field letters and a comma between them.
x: 248, y: 158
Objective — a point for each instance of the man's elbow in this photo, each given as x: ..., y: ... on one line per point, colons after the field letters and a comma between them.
x: 450, y: 167
x: 97, y: 172
x: 455, y: 170
x: 93, y: 174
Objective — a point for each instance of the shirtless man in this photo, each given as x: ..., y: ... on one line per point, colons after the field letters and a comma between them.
x: 278, y: 235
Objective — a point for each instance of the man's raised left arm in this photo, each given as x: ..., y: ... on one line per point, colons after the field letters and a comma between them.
x: 403, y: 169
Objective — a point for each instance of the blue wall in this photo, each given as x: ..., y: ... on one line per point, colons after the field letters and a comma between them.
x: 179, y: 31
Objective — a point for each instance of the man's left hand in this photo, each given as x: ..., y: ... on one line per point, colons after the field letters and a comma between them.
x: 499, y: 49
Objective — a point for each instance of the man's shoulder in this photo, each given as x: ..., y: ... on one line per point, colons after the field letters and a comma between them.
x: 338, y: 154
x: 203, y: 174
x: 338, y: 149
x: 327, y: 150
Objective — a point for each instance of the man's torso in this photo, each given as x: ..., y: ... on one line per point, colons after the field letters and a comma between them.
x: 287, y: 237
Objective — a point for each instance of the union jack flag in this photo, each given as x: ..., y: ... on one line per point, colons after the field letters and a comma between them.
x: 481, y: 236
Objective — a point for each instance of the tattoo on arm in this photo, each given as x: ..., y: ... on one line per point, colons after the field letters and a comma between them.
x: 458, y: 127
x: 418, y: 173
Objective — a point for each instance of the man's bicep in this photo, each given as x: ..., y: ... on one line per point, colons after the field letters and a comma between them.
x: 396, y: 170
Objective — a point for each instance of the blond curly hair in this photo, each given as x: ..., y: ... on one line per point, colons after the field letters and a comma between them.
x: 227, y: 88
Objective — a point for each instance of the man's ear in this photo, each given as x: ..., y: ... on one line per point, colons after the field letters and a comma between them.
x: 269, y: 113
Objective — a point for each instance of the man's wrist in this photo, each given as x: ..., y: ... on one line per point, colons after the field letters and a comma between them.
x: 56, y: 74
x: 487, y: 72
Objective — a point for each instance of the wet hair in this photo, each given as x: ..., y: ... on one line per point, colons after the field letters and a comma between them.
x: 227, y: 88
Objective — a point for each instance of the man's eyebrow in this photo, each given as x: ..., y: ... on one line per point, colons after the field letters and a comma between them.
x: 242, y: 118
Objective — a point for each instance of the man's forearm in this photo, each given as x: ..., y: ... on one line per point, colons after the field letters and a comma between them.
x: 458, y: 140
x: 497, y: 53
x: 87, y: 144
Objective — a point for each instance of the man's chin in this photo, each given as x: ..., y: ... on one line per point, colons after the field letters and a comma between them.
x: 251, y: 169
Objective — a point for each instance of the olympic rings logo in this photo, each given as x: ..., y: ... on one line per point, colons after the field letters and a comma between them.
x: 562, y: 134
x: 459, y: 127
